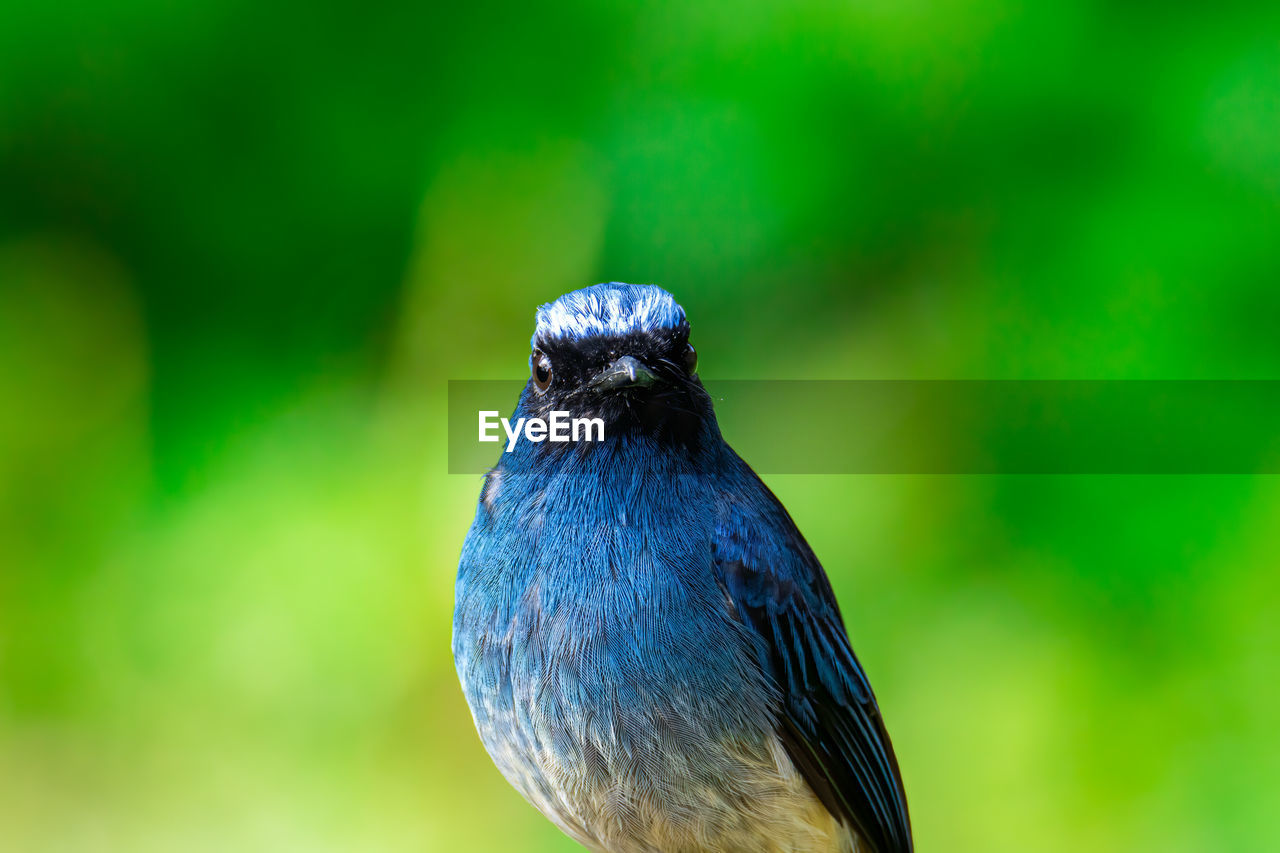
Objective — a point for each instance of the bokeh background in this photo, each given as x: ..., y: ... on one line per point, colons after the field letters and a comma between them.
x: 243, y: 247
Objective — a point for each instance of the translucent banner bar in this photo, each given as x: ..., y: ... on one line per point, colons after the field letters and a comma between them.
x: 958, y: 427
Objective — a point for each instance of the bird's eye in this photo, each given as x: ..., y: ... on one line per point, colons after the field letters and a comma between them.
x: 541, y: 370
x: 690, y: 358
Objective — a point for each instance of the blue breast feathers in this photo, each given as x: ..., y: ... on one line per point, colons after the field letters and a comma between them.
x: 609, y: 679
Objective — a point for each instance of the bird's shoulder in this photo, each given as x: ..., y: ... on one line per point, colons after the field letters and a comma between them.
x: 829, y: 719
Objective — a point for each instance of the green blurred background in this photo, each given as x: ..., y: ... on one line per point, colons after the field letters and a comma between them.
x: 243, y: 248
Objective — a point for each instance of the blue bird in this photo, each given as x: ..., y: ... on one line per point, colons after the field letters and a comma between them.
x: 652, y: 654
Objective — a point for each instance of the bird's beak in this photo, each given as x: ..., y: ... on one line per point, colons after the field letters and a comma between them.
x: 625, y: 372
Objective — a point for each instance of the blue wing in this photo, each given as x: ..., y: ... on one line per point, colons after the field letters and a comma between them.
x: 830, y: 722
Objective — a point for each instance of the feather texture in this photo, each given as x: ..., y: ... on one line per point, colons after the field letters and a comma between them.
x: 830, y: 722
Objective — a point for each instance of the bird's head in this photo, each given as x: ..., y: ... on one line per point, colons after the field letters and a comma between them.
x: 620, y: 352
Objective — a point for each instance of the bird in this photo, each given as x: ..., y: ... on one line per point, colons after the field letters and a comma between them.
x: 652, y: 654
